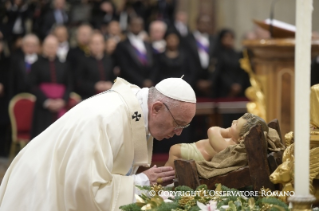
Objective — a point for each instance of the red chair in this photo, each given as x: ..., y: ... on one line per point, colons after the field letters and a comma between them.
x: 21, y: 112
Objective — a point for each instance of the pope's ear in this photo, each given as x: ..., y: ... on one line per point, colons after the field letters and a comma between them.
x: 156, y: 107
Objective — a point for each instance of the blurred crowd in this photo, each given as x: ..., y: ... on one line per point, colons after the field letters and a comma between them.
x: 81, y: 46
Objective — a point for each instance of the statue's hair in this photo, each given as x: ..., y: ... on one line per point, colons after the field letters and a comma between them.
x: 154, y: 95
x: 252, y: 120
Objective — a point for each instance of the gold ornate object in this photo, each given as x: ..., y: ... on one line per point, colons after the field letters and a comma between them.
x: 254, y: 93
x: 314, y: 106
x: 284, y: 173
x: 302, y: 203
x: 159, y: 180
x: 156, y: 188
x: 289, y: 138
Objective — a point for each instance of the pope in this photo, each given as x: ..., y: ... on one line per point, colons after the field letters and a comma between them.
x: 88, y: 158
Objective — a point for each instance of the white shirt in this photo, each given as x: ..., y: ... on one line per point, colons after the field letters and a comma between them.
x: 63, y: 50
x: 181, y: 27
x: 159, y: 45
x: 137, y: 42
x: 31, y: 58
x: 203, y: 56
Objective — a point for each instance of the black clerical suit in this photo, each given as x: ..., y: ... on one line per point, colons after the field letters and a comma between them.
x: 20, y: 70
x: 165, y: 67
x: 75, y: 57
x: 4, y: 103
x: 49, y: 72
x: 190, y: 45
x: 132, y: 68
x: 92, y: 71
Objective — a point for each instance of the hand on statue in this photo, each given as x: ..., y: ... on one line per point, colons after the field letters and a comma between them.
x: 166, y: 173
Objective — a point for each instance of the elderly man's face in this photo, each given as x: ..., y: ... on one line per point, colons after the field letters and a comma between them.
x: 30, y: 46
x: 97, y: 44
x: 84, y: 35
x: 61, y: 34
x: 161, y: 122
x: 50, y: 46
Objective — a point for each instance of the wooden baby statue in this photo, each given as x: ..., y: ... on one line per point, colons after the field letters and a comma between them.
x: 218, y: 140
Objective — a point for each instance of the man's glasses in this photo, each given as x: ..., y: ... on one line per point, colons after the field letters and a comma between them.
x: 178, y: 126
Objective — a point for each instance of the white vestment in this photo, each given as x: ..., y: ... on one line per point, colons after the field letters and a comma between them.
x: 80, y: 162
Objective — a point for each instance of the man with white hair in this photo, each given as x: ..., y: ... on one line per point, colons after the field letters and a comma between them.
x: 87, y: 159
x: 157, y: 32
x: 49, y: 81
x: 21, y: 63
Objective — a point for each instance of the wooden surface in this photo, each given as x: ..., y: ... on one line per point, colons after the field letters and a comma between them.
x: 273, y: 62
x: 256, y: 148
x: 186, y: 172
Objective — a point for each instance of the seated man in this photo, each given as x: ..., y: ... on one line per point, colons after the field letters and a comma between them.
x: 218, y: 140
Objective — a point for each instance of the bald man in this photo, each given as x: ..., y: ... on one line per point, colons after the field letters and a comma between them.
x: 50, y: 82
x: 157, y: 32
x: 21, y: 64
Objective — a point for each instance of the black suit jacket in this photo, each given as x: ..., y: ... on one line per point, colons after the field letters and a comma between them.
x: 49, y: 21
x: 191, y: 47
x: 18, y: 75
x: 131, y: 68
x: 91, y: 71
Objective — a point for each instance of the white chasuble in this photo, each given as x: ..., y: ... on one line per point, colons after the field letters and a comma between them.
x: 80, y: 162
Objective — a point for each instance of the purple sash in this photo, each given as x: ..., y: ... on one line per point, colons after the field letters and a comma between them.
x: 202, y: 47
x: 27, y: 67
x: 54, y: 91
x: 141, y: 56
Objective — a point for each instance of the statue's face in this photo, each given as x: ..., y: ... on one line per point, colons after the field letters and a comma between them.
x: 236, y: 128
x: 283, y: 173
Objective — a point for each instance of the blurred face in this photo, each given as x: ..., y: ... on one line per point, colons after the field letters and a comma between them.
x: 30, y: 46
x: 136, y: 26
x: 228, y: 40
x: 114, y: 28
x: 110, y: 45
x: 181, y: 17
x: 59, y: 4
x: 162, y: 124
x: 61, y: 34
x: 157, y: 31
x: 84, y: 35
x: 203, y: 24
x: 236, y: 128
x: 106, y: 7
x: 172, y: 41
x: 97, y: 44
x: 50, y: 46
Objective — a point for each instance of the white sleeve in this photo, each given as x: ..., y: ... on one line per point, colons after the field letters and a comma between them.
x: 140, y: 180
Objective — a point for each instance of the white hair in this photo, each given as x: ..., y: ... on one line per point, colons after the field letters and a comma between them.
x: 158, y: 23
x: 154, y: 95
x: 30, y: 37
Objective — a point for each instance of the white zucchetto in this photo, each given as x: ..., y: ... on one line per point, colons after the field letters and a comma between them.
x: 177, y: 89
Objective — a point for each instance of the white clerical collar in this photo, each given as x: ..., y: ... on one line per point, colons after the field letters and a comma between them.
x: 30, y: 58
x: 198, y: 34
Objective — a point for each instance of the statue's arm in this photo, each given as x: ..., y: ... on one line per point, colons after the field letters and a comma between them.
x: 219, y: 138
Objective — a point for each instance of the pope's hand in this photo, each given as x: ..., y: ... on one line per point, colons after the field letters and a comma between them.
x: 166, y: 173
